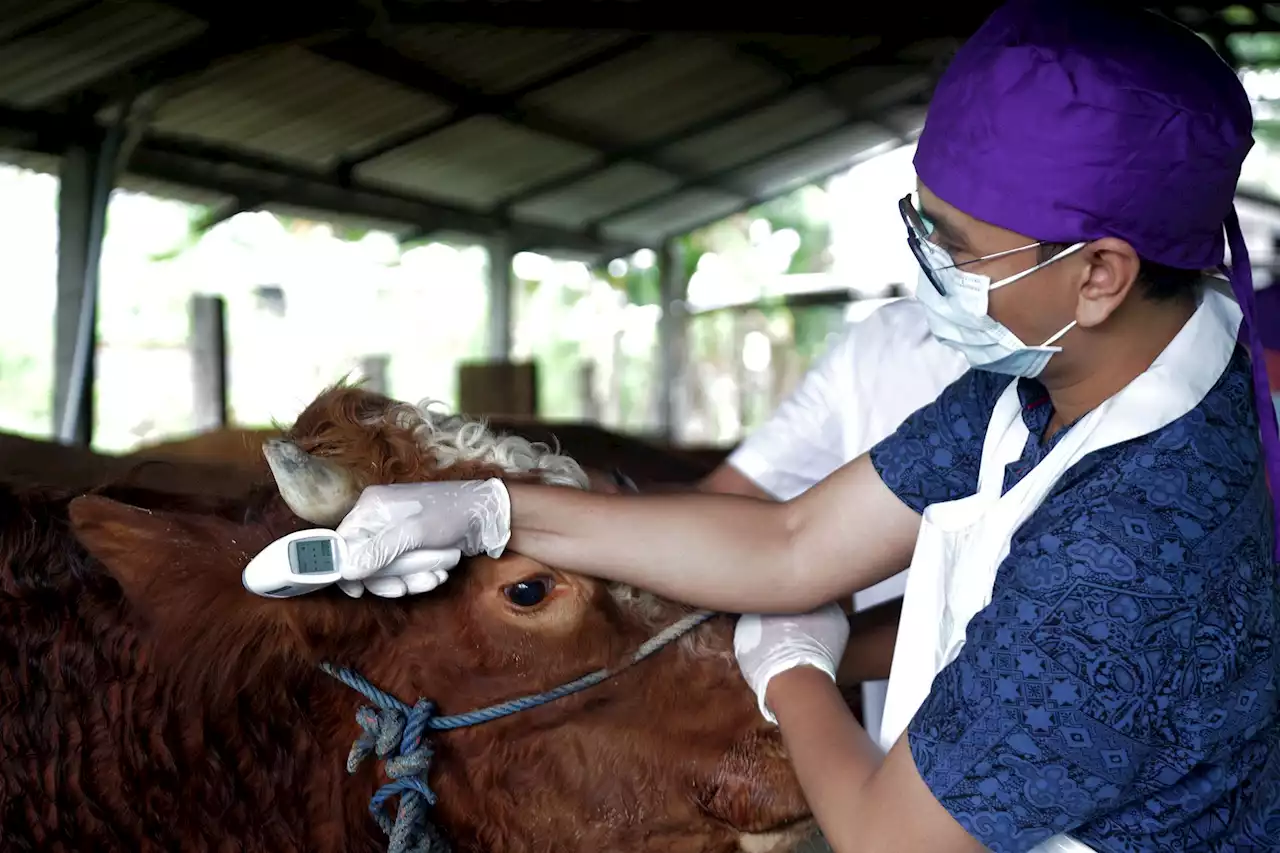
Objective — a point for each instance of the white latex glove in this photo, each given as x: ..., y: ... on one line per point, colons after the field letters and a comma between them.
x: 409, y: 574
x: 462, y: 517
x: 769, y: 645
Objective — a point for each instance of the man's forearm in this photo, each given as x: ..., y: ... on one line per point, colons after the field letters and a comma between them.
x: 724, y: 552
x: 832, y: 754
x: 872, y: 633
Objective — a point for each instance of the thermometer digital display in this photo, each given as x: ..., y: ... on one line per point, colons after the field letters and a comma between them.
x: 310, y: 556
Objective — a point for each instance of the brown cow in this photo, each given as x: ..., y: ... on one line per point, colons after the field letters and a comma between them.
x: 148, y: 703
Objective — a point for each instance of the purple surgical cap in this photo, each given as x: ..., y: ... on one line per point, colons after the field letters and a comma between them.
x: 1070, y: 120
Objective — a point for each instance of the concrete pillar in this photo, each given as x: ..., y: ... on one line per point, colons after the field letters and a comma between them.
x: 501, y: 325
x: 673, y: 336
x: 374, y: 368
x: 86, y: 177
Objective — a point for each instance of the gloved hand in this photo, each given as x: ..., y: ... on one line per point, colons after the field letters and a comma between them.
x: 472, y: 516
x: 768, y: 645
x: 412, y: 572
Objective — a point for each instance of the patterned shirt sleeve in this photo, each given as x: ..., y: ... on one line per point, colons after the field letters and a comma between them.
x: 1111, y: 689
x: 936, y: 453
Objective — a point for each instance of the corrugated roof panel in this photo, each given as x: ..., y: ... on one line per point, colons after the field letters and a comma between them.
x: 812, y: 54
x: 497, y: 60
x: 819, y: 158
x: 477, y: 162
x: 18, y: 15
x: 659, y: 90
x: 294, y: 105
x: 89, y: 46
x: 879, y: 87
x: 612, y: 189
x: 758, y: 133
x: 675, y: 215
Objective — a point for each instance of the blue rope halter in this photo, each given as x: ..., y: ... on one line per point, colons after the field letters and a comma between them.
x: 395, y: 732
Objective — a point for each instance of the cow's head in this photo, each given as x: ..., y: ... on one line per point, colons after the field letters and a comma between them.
x: 672, y: 755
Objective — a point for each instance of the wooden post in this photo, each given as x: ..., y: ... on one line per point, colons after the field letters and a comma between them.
x: 208, y: 346
x: 498, y: 389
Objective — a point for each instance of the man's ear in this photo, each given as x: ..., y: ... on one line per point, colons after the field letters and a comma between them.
x: 1113, y: 274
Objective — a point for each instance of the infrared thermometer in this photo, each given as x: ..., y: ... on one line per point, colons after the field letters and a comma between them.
x: 310, y: 560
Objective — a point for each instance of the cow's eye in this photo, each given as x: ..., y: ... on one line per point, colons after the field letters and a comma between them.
x: 530, y: 592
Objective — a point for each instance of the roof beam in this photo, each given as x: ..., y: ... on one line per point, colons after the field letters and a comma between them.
x: 883, y: 54
x: 494, y: 104
x: 795, y: 17
x: 254, y: 177
x: 867, y: 117
x: 384, y: 61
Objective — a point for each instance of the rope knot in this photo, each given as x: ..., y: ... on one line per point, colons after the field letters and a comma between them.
x: 393, y: 733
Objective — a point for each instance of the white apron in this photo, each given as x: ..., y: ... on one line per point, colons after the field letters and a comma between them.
x: 963, y: 542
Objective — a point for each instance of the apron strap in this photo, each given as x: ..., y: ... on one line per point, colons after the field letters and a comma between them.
x: 1241, y: 277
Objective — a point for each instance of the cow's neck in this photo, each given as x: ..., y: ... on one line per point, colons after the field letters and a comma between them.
x: 278, y: 754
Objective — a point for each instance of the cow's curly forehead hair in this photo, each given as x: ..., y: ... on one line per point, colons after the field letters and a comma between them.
x: 385, y: 441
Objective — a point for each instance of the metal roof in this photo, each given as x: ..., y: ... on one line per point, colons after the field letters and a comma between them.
x: 584, y: 126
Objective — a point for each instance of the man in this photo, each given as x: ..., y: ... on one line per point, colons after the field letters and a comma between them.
x: 1087, y: 659
x: 883, y: 368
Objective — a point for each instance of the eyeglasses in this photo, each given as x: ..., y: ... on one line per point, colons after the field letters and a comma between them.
x: 916, y: 235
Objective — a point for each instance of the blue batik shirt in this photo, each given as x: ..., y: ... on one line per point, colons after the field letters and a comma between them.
x: 1121, y: 686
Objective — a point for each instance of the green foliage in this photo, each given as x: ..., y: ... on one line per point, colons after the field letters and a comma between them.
x: 1239, y: 16
x: 1256, y: 50
x: 1268, y: 131
x: 643, y: 287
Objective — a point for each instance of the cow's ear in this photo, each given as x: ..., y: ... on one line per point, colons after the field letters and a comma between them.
x: 158, y: 556
x: 123, y: 538
x: 181, y: 573
x: 180, y: 570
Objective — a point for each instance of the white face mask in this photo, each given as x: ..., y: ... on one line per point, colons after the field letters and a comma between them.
x: 960, y: 319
